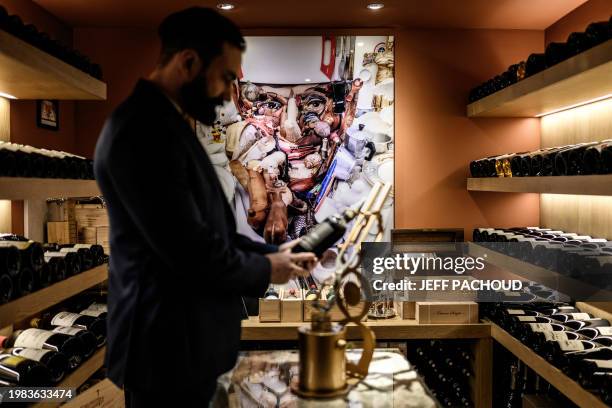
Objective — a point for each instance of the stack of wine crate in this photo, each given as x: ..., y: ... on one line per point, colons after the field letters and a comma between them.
x: 70, y: 222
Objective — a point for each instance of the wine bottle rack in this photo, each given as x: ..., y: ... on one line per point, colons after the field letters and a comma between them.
x: 550, y: 373
x: 29, y: 73
x: 552, y: 279
x: 20, y: 188
x: 583, y: 185
x: 76, y: 378
x: 584, y: 77
x: 27, y: 306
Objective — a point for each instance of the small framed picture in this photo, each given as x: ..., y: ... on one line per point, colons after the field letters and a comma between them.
x: 47, y: 114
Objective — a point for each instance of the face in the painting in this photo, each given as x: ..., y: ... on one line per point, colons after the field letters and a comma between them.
x: 212, y: 85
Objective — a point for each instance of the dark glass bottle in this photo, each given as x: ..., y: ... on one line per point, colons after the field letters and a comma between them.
x: 6, y: 288
x: 71, y: 347
x: 56, y: 363
x: 31, y: 252
x: 93, y: 324
x: 24, y: 372
x: 87, y: 338
x: 535, y: 63
x: 325, y: 234
x: 71, y: 260
x: 555, y: 53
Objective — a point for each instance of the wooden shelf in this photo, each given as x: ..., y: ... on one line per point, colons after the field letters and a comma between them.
x: 76, y: 378
x: 584, y: 77
x: 550, y: 373
x: 554, y: 280
x: 20, y: 188
x: 36, y: 302
x: 29, y: 73
x: 583, y: 185
x: 104, y: 393
x: 392, y: 329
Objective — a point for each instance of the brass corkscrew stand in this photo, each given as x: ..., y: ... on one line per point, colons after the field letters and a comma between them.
x: 324, y: 371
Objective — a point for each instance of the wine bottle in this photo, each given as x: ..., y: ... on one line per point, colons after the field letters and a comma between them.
x: 555, y: 53
x: 23, y: 372
x: 567, y: 361
x: 84, y: 254
x: 10, y: 260
x: 554, y: 350
x: 597, y: 159
x: 57, y: 268
x: 599, y: 32
x: 71, y: 260
x: 592, y: 332
x: 569, y: 160
x: 513, y: 398
x: 564, y: 317
x: 578, y: 42
x: 56, y: 363
x: 31, y: 253
x: 312, y: 294
x: 88, y: 339
x: 94, y: 324
x: 71, y: 347
x: 6, y: 287
x: 96, y: 251
x: 325, y: 234
x: 579, y: 324
x: 535, y: 63
x: 42, y: 278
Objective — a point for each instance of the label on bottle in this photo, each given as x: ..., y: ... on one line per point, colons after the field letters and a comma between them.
x: 579, y: 316
x: 570, y: 345
x: 33, y: 354
x: 33, y: 338
x: 605, y: 331
x: 12, y: 361
x: 17, y: 244
x: 601, y: 363
x: 555, y: 335
x: 526, y: 318
x: 512, y: 294
x: 541, y: 327
x: 93, y: 313
x: 515, y: 312
x: 64, y: 319
x: 71, y: 331
x: 80, y: 246
x: 98, y: 306
x: 64, y: 250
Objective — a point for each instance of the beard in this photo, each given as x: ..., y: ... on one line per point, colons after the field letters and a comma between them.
x: 197, y: 104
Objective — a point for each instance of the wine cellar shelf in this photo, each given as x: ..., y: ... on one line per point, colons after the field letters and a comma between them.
x: 583, y: 185
x: 29, y: 73
x: 392, y: 329
x: 36, y: 302
x: 554, y: 376
x: 78, y: 376
x: 546, y: 277
x: 584, y: 77
x: 19, y: 188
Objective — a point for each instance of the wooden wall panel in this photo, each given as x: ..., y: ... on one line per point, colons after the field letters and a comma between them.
x: 591, y: 215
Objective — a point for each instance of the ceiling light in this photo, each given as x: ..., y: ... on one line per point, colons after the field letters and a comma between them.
x: 8, y: 96
x: 307, y: 80
x: 375, y: 6
x: 601, y: 98
x: 225, y: 6
x: 360, y: 44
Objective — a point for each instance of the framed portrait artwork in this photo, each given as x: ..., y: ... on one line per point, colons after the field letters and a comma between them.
x: 47, y: 114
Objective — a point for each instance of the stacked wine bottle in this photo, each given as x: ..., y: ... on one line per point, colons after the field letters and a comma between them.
x: 30, y: 34
x: 570, y: 254
x: 55, y: 344
x: 27, y: 266
x: 446, y: 367
x: 577, y: 42
x: 572, y: 160
x: 577, y: 343
x: 18, y: 160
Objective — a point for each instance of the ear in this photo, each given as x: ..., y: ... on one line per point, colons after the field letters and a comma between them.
x: 191, y: 63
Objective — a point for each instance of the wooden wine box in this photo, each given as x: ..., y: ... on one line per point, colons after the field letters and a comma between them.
x: 61, y: 232
x: 269, y: 310
x: 61, y: 210
x: 104, y: 394
x: 405, y: 309
x: 292, y: 309
x: 446, y: 312
x: 102, y: 239
x: 91, y: 215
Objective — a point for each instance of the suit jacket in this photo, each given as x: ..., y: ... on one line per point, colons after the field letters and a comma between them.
x: 177, y: 268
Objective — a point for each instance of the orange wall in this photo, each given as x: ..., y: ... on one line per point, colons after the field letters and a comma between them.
x: 435, y: 140
x: 579, y: 19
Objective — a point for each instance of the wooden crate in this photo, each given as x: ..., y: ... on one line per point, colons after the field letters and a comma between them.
x: 405, y: 309
x: 102, y: 238
x: 291, y: 310
x: 446, y: 312
x: 88, y: 235
x: 61, y: 232
x: 104, y: 394
x: 61, y: 211
x: 91, y: 215
x: 269, y: 310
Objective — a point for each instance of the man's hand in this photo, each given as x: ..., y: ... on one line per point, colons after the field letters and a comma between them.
x: 286, y: 265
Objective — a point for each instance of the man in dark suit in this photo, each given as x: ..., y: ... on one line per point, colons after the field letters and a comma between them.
x: 178, y: 268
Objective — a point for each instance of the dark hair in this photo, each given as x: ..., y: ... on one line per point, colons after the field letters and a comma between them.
x: 198, y: 28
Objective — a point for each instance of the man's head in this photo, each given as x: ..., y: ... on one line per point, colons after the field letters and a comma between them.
x: 200, y: 58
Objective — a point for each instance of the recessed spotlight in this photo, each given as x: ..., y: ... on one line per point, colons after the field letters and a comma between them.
x: 360, y: 44
x: 7, y: 96
x: 307, y: 80
x: 225, y: 6
x: 375, y: 6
